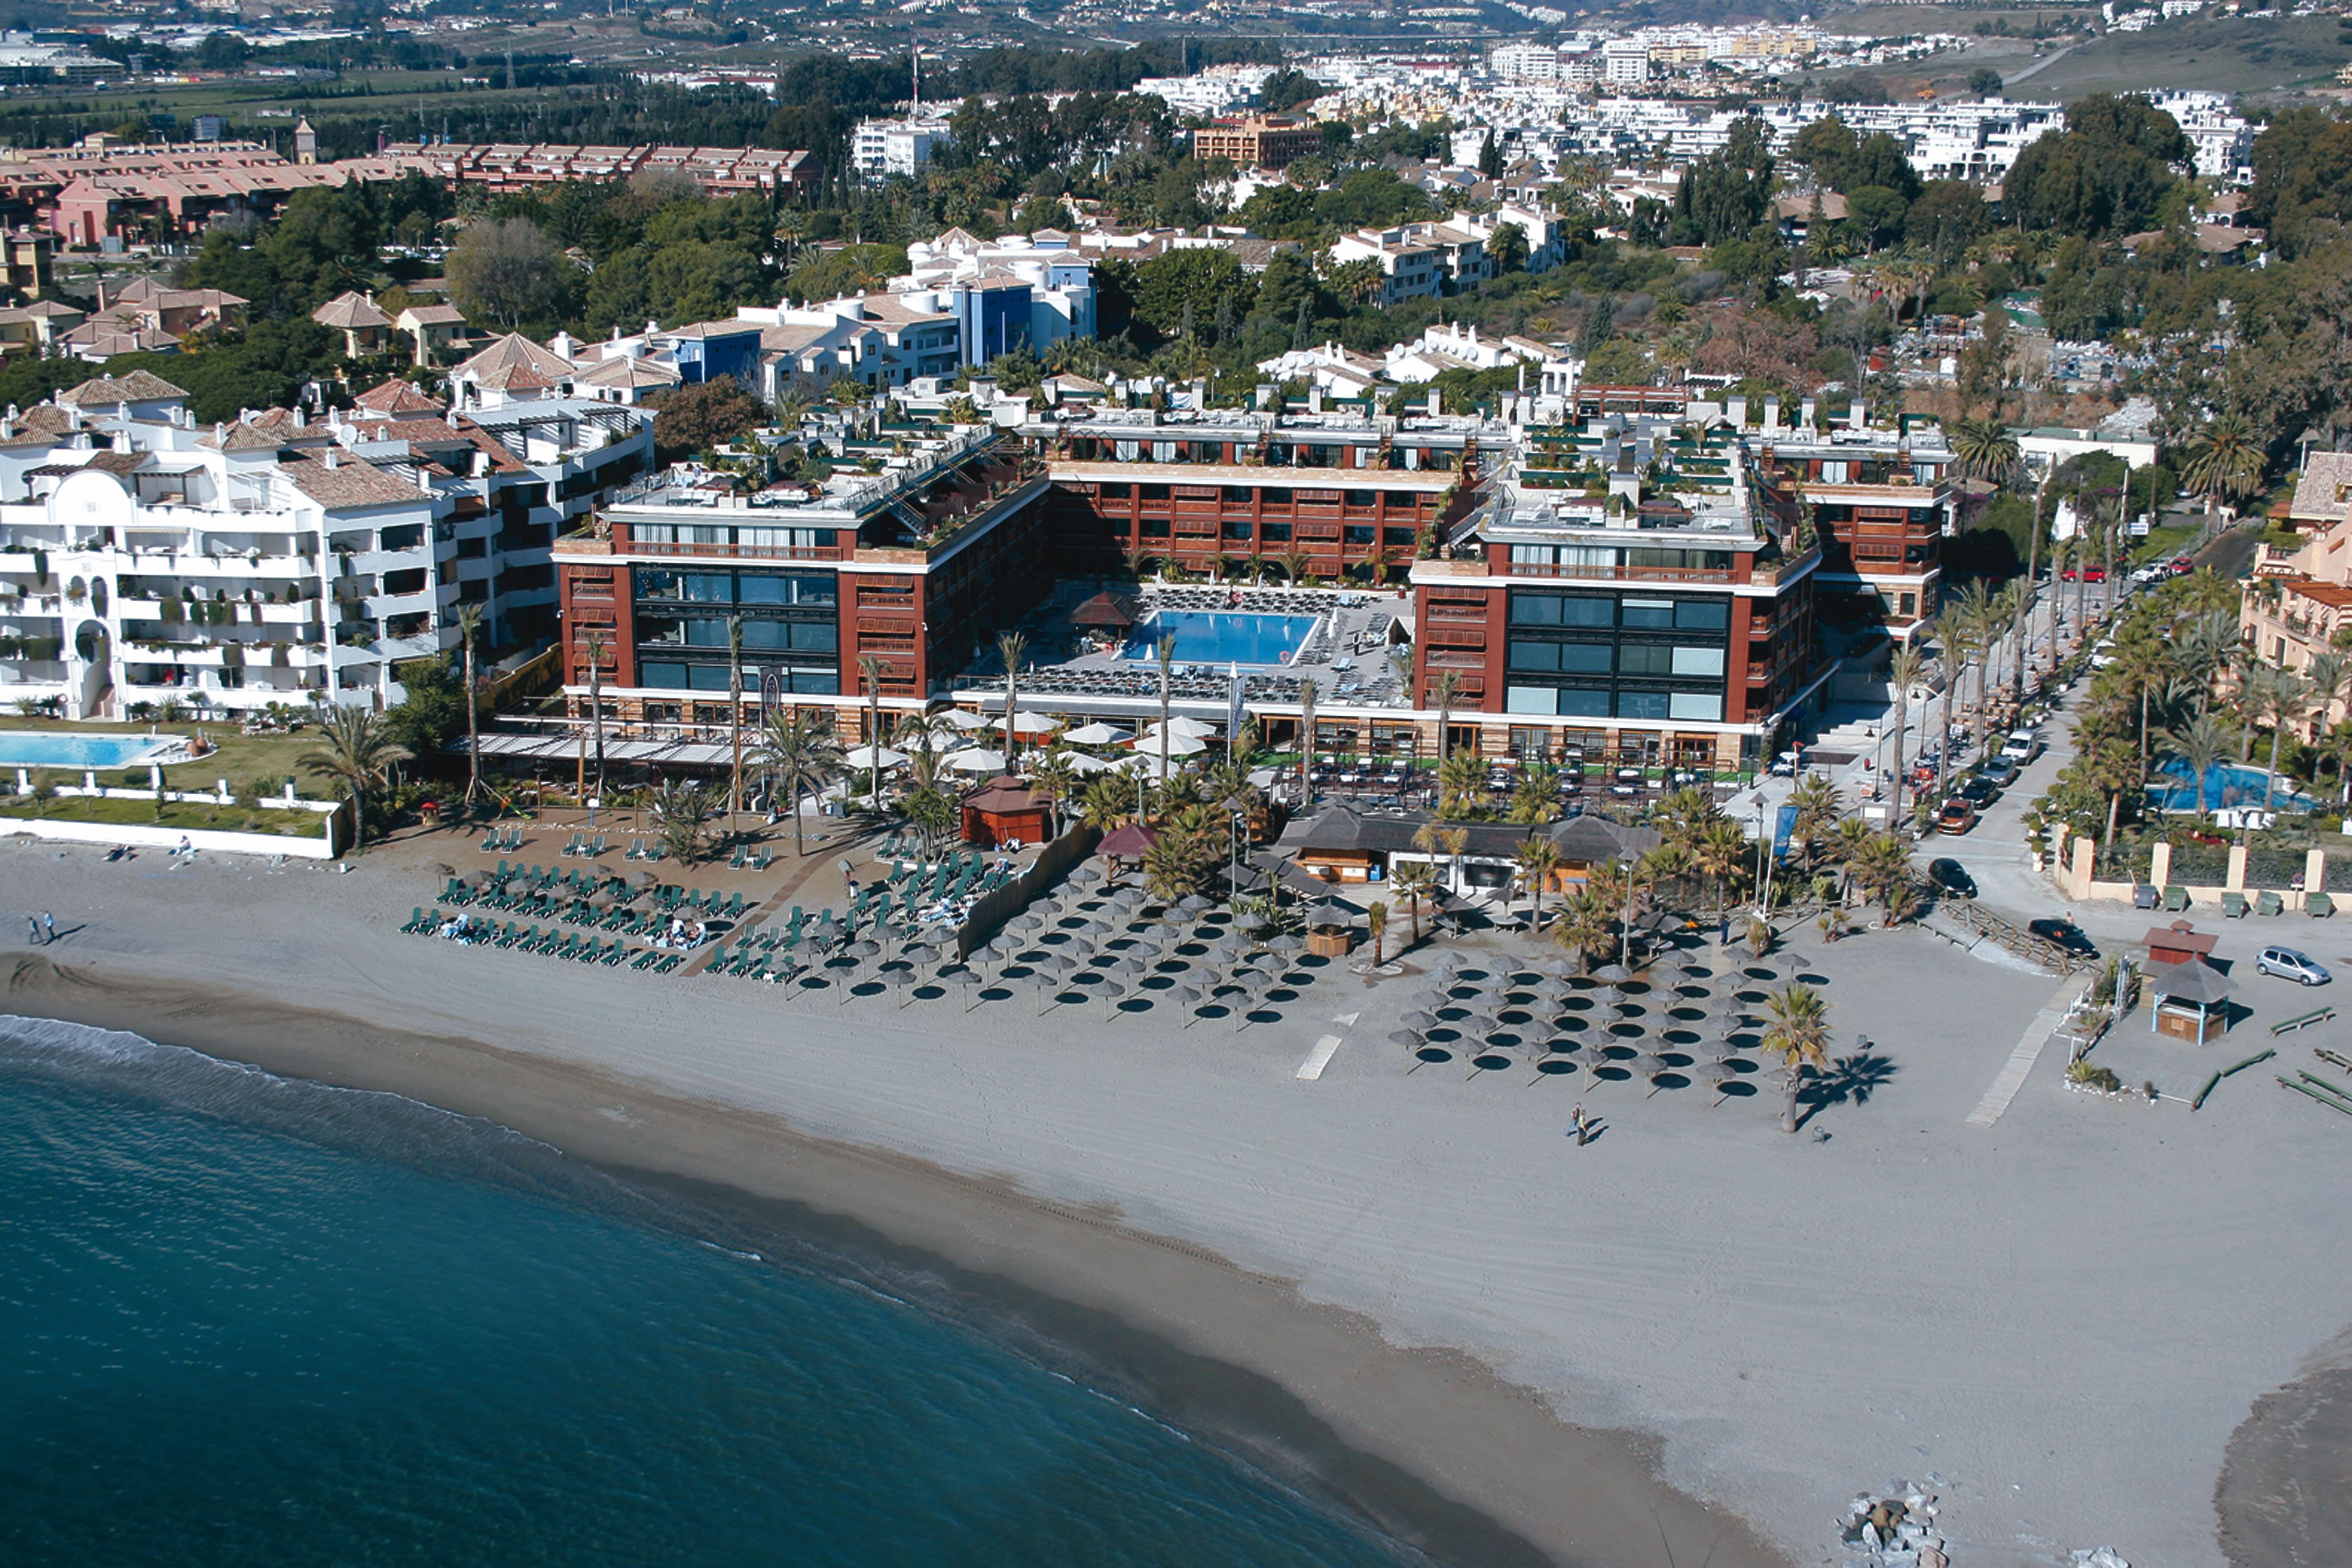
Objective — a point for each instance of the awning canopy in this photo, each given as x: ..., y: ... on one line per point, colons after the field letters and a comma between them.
x: 1106, y: 609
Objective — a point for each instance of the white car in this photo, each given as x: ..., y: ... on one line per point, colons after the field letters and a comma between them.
x: 2289, y: 964
x: 2022, y: 747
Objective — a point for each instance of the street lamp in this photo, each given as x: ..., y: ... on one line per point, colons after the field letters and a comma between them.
x: 1236, y: 808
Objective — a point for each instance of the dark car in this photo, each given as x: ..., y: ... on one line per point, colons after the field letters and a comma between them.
x: 2065, y: 934
x: 1952, y: 878
x: 1980, y: 792
x: 2001, y: 771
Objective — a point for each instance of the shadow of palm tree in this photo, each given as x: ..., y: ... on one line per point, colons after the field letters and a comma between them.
x: 1848, y: 1079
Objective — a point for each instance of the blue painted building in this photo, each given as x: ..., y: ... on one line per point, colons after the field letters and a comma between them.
x: 710, y: 348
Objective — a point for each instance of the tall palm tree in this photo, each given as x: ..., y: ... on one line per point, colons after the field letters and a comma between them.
x: 1719, y: 854
x: 2032, y: 594
x: 1585, y: 922
x: 2281, y: 696
x: 1376, y: 918
x: 734, y: 718
x: 2200, y: 743
x: 800, y: 753
x: 1799, y: 1035
x: 1012, y: 646
x: 1881, y: 866
x: 357, y: 753
x: 1415, y: 882
x: 469, y: 628
x: 1536, y: 860
x: 1165, y: 651
x: 1903, y: 669
x: 2225, y: 460
x: 682, y: 810
x: 1053, y: 776
x: 2324, y: 679
x: 1445, y: 690
x: 869, y: 670
x: 596, y: 645
x: 1818, y: 809
x: 1306, y: 737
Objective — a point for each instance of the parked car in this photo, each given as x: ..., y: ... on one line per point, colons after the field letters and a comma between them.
x: 1785, y: 765
x: 2066, y: 934
x: 2022, y: 747
x: 1952, y: 878
x: 2151, y: 572
x: 2288, y: 963
x: 1955, y: 816
x: 1980, y: 792
x: 2181, y: 565
x: 2091, y: 573
x: 2002, y: 771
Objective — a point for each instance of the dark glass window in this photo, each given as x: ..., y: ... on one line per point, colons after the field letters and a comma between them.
x: 1703, y: 615
x: 707, y: 677
x: 662, y: 676
x: 817, y: 682
x: 1585, y: 658
x: 1643, y: 659
x: 1116, y: 492
x: 1642, y: 705
x: 1535, y: 609
x: 1657, y: 613
x: 1277, y: 495
x: 706, y: 587
x: 1155, y: 492
x: 815, y: 637
x: 1238, y: 495
x: 1363, y: 499
x: 1356, y: 533
x: 1274, y: 532
x: 1534, y: 655
x: 1398, y: 535
x: 1585, y: 701
x: 1587, y: 611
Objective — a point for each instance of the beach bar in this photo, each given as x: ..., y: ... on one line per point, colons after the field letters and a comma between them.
x: 2189, y: 1001
x: 1004, y: 812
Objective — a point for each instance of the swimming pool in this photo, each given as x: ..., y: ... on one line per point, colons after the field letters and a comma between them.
x: 51, y: 749
x: 2226, y: 784
x: 1211, y: 638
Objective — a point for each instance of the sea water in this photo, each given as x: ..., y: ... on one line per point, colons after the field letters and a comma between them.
x: 245, y: 1320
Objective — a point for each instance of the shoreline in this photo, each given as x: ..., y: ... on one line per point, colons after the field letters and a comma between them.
x: 1425, y: 1445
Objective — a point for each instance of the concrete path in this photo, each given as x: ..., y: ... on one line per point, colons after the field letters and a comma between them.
x: 1324, y: 1049
x: 2012, y: 1074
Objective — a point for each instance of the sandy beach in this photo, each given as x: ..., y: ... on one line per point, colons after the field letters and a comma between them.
x: 1693, y: 1339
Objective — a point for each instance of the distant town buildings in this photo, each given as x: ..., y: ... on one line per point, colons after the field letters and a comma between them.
x: 881, y: 148
x: 1263, y: 143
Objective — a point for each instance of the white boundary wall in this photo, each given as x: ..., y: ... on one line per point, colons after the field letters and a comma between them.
x: 317, y: 847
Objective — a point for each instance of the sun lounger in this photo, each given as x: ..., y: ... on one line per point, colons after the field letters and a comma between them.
x: 416, y: 922
x: 491, y: 840
x: 571, y: 846
x: 598, y: 848
x: 763, y: 859
x: 735, y: 861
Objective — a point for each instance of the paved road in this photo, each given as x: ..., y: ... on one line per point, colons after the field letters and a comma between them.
x: 2231, y: 554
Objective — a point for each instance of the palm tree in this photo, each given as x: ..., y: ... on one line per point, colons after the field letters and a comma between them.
x: 1012, y: 647
x: 2201, y: 743
x: 1461, y: 787
x: 1537, y: 859
x: 357, y: 753
x: 1986, y: 449
x: 800, y: 753
x: 1376, y: 918
x: 596, y: 645
x: 2143, y: 665
x: 1306, y: 735
x: 1881, y: 866
x: 1165, y: 651
x: 2281, y: 696
x: 2032, y: 594
x: 1415, y: 880
x: 1819, y: 808
x: 1719, y: 853
x: 734, y: 717
x: 1585, y: 922
x: 2324, y: 679
x: 1800, y: 1035
x: 1445, y: 690
x: 1904, y: 670
x: 2225, y: 460
x: 681, y: 811
x: 469, y: 628
x: 869, y: 670
x: 1053, y: 776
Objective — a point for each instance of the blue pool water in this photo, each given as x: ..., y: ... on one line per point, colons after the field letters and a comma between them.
x: 2226, y: 783
x: 250, y: 1320
x: 1206, y: 638
x: 47, y: 749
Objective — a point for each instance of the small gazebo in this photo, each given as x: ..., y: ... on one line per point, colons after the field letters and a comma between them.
x: 1005, y: 811
x: 2191, y: 1001
x: 1127, y: 841
x: 2178, y: 942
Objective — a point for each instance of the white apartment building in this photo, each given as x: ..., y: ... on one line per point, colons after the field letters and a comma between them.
x: 1413, y: 268
x: 881, y: 148
x: 147, y: 558
x: 1525, y: 62
x: 1624, y: 63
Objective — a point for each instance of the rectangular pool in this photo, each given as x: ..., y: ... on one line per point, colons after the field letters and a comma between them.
x: 54, y: 749
x: 1216, y: 637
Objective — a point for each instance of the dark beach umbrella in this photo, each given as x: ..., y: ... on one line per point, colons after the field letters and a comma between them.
x: 1720, y: 1080
x: 970, y: 983
x: 1188, y: 998
x: 1612, y: 973
x: 1409, y: 1038
x: 1286, y: 943
x: 443, y: 871
x: 1650, y: 1065
x: 642, y: 879
x: 1418, y: 1018
x: 1044, y: 985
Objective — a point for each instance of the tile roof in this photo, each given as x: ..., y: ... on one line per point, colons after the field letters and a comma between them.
x: 139, y: 387
x: 348, y: 483
x: 623, y: 371
x: 512, y: 349
x: 2325, y: 489
x: 352, y: 311
x: 239, y: 438
x: 396, y: 396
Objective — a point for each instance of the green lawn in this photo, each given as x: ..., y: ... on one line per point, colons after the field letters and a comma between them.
x: 2161, y: 543
x: 185, y: 816
x: 240, y: 759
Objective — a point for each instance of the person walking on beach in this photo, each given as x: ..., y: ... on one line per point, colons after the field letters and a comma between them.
x: 33, y: 936
x: 49, y: 928
x: 1582, y: 1134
